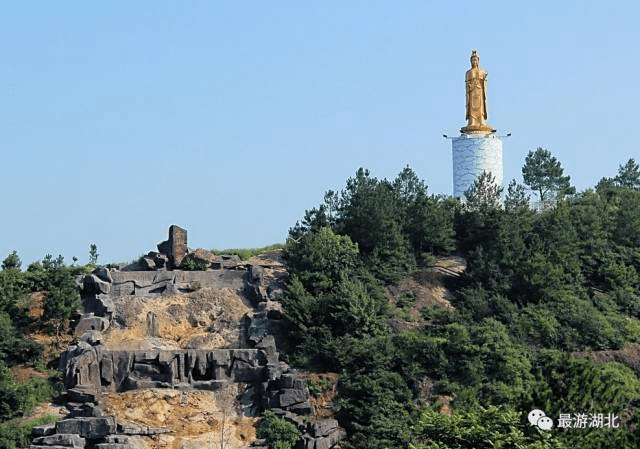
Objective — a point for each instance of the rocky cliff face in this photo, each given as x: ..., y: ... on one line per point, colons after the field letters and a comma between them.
x: 180, y: 359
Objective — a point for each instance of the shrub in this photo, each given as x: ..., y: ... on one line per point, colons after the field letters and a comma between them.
x: 247, y: 253
x: 190, y: 263
x: 14, y: 435
x: 406, y: 300
x: 279, y: 433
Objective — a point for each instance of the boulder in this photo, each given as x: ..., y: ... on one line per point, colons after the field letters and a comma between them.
x: 231, y: 261
x: 90, y: 322
x: 79, y: 366
x: 147, y: 263
x: 92, y: 338
x: 203, y: 255
x: 322, y: 427
x: 98, y: 304
x: 162, y: 277
x: 256, y: 284
x: 243, y: 372
x: 176, y: 247
x: 289, y: 397
x: 44, y: 430
x: 267, y: 345
x: 274, y: 310
x: 81, y: 395
x: 90, y: 427
x: 161, y: 260
x: 85, y: 409
x: 93, y: 284
x: 304, y: 408
x: 66, y: 440
x: 330, y: 440
x: 103, y: 273
x: 128, y: 428
x: 123, y: 289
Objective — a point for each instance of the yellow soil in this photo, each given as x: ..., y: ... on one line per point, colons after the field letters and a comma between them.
x: 183, y: 321
x: 271, y: 259
x: 44, y: 409
x: 195, y: 418
x: 23, y: 373
x: 53, y: 344
x: 34, y: 303
x: 427, y: 288
x: 328, y: 383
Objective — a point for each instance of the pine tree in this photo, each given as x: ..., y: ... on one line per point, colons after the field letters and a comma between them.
x: 543, y: 174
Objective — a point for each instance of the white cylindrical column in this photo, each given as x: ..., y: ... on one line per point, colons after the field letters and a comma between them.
x: 473, y: 154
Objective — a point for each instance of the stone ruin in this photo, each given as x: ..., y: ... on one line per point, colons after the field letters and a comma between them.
x: 172, y: 253
x: 93, y: 368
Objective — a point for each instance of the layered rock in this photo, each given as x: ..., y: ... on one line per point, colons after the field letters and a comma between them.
x: 114, y: 299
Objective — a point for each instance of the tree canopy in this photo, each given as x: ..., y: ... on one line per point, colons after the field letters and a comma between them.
x: 543, y: 173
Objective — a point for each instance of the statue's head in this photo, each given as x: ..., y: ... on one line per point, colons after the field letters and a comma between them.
x: 475, y: 59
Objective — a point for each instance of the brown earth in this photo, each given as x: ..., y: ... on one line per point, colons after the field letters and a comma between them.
x: 204, y: 319
x: 52, y: 345
x: 34, y: 304
x: 428, y: 289
x: 194, y: 418
x: 324, y: 403
x: 272, y: 259
x: 23, y: 373
x: 44, y: 409
x: 427, y: 286
x: 628, y: 355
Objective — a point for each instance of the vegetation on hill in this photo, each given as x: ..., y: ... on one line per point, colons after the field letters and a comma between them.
x: 540, y: 285
x: 543, y: 290
x: 247, y: 253
x: 54, y: 280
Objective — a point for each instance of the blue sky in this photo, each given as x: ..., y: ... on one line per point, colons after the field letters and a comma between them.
x: 231, y: 118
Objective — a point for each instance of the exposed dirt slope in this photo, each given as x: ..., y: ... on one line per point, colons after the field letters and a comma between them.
x: 196, y: 418
x: 208, y: 318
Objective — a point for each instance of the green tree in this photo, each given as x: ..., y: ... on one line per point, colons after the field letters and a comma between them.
x: 484, y: 193
x: 476, y: 223
x: 280, y: 434
x: 371, y: 215
x: 12, y: 262
x: 93, y: 254
x: 629, y: 175
x: 516, y: 196
x: 320, y: 258
x: 493, y: 427
x: 542, y: 172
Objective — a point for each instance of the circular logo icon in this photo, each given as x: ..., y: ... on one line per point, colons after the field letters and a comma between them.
x: 534, y: 416
x: 545, y: 423
x: 538, y: 418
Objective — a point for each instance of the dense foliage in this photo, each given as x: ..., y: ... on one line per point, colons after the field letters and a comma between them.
x: 15, y: 435
x: 280, y: 434
x: 54, y: 281
x: 539, y: 286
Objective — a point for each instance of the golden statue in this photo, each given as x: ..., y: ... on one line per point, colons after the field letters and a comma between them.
x: 476, y: 83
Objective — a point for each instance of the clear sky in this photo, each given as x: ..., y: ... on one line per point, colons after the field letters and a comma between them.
x: 120, y: 118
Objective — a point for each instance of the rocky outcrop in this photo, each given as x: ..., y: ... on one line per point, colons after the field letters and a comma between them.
x: 110, y: 297
x: 175, y: 248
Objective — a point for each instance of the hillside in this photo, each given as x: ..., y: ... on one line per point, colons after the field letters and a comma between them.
x: 392, y: 318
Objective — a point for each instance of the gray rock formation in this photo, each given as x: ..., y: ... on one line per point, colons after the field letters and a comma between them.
x: 176, y: 247
x: 89, y: 368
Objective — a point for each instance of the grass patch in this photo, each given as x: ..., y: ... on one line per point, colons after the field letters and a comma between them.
x: 14, y: 435
x: 247, y: 253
